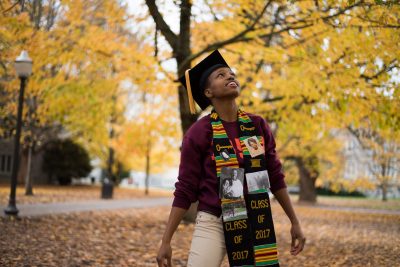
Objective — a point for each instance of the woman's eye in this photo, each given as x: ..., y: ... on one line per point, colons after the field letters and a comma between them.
x: 220, y: 75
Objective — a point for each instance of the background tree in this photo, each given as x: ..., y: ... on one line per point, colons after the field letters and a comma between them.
x: 149, y: 140
x: 84, y: 55
x: 307, y: 66
x: 64, y: 160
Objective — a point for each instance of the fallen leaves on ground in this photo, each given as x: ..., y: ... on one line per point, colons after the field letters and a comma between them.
x: 131, y: 237
x: 54, y: 193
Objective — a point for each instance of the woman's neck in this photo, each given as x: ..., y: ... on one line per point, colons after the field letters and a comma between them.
x: 227, y: 111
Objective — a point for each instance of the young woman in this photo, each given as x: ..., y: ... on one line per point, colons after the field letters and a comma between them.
x: 212, y: 82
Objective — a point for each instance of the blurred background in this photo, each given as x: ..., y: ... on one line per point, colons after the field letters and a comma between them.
x: 324, y: 74
x: 103, y: 105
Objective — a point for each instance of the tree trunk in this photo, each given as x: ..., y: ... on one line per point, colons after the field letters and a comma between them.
x: 111, y: 154
x: 180, y: 45
x: 384, y: 191
x: 181, y: 54
x: 28, y: 177
x: 147, y: 179
x: 110, y: 164
x: 307, y: 187
x: 23, y: 158
x: 308, y: 175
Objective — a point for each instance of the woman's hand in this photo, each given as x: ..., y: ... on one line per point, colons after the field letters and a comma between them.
x: 298, y: 239
x: 164, y: 255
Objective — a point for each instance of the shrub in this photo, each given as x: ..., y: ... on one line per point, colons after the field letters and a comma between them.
x: 65, y: 160
x: 322, y: 191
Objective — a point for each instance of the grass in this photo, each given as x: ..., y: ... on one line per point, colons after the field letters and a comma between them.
x: 355, y: 202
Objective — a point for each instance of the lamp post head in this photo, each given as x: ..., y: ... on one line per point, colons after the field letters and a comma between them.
x: 23, y: 65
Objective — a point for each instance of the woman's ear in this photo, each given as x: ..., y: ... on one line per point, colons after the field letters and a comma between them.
x: 208, y: 93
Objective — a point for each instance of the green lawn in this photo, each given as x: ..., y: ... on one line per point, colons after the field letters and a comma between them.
x: 356, y: 202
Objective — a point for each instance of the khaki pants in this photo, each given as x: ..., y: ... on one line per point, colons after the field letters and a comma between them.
x: 208, y: 243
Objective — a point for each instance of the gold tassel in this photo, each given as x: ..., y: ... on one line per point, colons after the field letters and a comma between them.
x: 189, y: 92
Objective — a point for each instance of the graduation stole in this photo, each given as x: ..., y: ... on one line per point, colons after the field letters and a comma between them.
x: 247, y: 219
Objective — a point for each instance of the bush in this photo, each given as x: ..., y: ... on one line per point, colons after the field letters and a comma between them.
x: 322, y: 191
x: 65, y: 160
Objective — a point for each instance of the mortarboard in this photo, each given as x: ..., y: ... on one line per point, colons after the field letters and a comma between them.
x: 195, y: 79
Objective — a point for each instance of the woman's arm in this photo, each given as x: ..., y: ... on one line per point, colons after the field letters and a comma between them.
x: 297, y: 235
x: 165, y: 252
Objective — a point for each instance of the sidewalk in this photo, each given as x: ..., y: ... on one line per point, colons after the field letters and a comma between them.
x: 90, y: 205
x: 39, y: 209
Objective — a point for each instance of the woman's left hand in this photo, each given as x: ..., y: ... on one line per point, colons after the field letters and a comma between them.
x: 298, y: 239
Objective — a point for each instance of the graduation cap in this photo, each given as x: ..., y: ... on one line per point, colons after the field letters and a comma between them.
x: 195, y: 79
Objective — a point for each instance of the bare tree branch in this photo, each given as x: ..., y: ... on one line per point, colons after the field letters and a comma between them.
x: 384, y: 69
x: 238, y: 37
x: 184, y: 35
x: 287, y: 142
x: 304, y: 40
x: 169, y: 35
x: 211, y: 10
x: 11, y: 7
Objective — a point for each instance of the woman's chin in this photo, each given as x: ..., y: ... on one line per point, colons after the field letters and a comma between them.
x: 233, y: 92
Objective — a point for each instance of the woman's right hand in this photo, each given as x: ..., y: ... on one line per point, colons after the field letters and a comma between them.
x: 164, y: 255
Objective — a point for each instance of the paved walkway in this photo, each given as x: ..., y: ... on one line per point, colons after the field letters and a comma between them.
x: 90, y: 205
x: 113, y: 204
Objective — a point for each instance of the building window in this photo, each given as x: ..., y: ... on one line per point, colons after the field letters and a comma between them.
x: 9, y: 163
x: 5, y: 163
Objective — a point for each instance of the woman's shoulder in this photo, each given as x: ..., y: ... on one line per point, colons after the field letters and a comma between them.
x: 200, y: 131
x: 200, y: 126
x: 255, y: 118
x: 260, y: 122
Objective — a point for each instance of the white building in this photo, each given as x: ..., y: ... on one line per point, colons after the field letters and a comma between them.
x: 359, y: 163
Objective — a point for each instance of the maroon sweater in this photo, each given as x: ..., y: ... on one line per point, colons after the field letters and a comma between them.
x: 197, y: 178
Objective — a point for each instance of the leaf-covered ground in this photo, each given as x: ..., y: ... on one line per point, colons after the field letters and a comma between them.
x: 52, y: 193
x: 131, y: 238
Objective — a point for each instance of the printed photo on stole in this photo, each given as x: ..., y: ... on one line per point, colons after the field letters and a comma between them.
x: 231, y: 194
x: 234, y: 210
x: 257, y: 181
x: 231, y: 183
x: 225, y: 154
x: 254, y: 146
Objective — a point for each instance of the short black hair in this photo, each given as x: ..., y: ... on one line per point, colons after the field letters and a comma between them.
x: 252, y: 140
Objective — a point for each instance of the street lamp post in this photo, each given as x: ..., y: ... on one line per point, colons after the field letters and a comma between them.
x: 23, y: 67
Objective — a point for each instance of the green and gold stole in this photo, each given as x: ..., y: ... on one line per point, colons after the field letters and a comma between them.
x: 247, y: 220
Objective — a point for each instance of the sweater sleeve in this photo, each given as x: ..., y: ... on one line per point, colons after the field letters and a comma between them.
x: 274, y: 165
x: 186, y: 188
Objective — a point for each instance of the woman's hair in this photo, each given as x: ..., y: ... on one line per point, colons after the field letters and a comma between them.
x: 229, y: 180
x: 252, y: 140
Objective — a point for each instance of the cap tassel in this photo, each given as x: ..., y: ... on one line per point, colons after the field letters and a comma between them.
x: 189, y: 92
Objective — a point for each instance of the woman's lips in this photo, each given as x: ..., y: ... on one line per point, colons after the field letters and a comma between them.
x: 232, y: 84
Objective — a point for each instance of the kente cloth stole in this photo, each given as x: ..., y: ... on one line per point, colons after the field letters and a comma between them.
x: 247, y: 219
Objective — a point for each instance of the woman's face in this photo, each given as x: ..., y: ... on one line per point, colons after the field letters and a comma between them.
x: 235, y: 174
x: 225, y: 185
x: 253, y: 145
x: 222, y: 83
